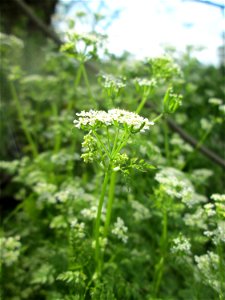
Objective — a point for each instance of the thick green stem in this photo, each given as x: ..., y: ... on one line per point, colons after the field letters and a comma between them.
x: 110, y: 202
x: 23, y: 121
x: 98, y: 220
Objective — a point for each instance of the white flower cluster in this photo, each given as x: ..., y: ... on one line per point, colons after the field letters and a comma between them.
x: 217, y: 235
x: 11, y: 41
x: 62, y: 196
x: 140, y: 211
x: 90, y: 213
x: 201, y: 175
x: 78, y: 228
x: 10, y: 249
x: 120, y: 230
x: 196, y: 219
x: 218, y: 197
x: 175, y: 184
x: 207, y: 265
x: 144, y: 82
x: 9, y: 166
x: 219, y: 204
x: 210, y: 209
x: 181, y: 245
x: 45, y: 193
x: 176, y: 140
x: 207, y: 260
x: 94, y: 119
x: 44, y: 187
x: 194, y: 199
x: 110, y: 82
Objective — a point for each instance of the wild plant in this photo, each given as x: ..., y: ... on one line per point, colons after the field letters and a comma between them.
x: 126, y: 215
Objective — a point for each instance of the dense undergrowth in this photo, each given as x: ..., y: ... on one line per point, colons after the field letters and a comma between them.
x: 116, y: 205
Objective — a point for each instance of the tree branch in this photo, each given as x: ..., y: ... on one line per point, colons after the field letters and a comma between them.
x: 192, y: 141
x: 41, y: 25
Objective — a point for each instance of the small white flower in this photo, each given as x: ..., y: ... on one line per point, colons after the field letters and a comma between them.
x: 110, y: 82
x: 10, y: 249
x: 210, y: 209
x: 120, y: 230
x: 181, y: 245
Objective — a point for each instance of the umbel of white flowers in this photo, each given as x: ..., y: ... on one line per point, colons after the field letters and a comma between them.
x: 95, y: 119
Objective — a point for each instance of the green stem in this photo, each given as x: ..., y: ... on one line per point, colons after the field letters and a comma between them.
x: 101, y: 143
x: 110, y: 202
x: 70, y: 105
x: 158, y: 118
x: 115, y: 142
x: 164, y: 232
x: 88, y: 85
x: 76, y: 83
x: 124, y: 140
x: 166, y: 140
x: 108, y: 137
x: 160, y: 266
x: 23, y: 121
x: 98, y: 220
x: 142, y: 103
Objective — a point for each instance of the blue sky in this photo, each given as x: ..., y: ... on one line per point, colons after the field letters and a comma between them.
x: 143, y: 26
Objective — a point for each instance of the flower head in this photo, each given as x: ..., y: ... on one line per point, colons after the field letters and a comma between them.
x: 95, y: 119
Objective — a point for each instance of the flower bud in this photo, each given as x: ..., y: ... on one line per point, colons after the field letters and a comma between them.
x: 171, y: 101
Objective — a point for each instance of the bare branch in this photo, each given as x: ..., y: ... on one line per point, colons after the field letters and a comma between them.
x: 29, y: 12
x: 192, y: 141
